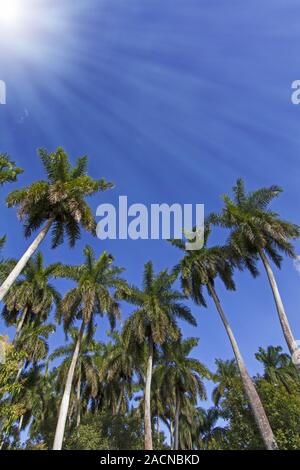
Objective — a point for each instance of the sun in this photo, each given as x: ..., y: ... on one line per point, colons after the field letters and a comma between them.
x: 10, y: 11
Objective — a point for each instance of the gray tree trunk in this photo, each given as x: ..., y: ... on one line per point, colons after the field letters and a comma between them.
x: 250, y: 390
x: 177, y: 414
x: 147, y: 415
x: 64, y: 406
x: 171, y: 435
x: 20, y: 325
x: 78, y: 401
x: 287, y: 332
x: 119, y: 403
x: 23, y: 261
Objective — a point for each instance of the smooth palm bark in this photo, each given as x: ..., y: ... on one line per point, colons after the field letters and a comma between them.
x: 147, y: 416
x: 119, y: 403
x: 250, y: 390
x: 20, y: 325
x: 64, y: 406
x: 78, y: 420
x: 177, y: 413
x: 171, y: 435
x: 287, y: 332
x: 24, y: 260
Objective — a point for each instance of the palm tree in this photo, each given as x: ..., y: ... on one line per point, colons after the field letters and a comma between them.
x: 256, y: 230
x: 92, y: 295
x: 226, y: 374
x: 208, y: 429
x: 200, y: 269
x: 85, y: 374
x: 58, y: 203
x: 32, y: 296
x: 278, y: 367
x: 181, y: 376
x: 153, y: 323
x: 118, y: 369
x: 8, y: 170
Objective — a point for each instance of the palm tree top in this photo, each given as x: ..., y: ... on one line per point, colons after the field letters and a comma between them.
x: 157, y: 304
x: 200, y: 267
x: 96, y: 280
x: 33, y: 290
x: 278, y: 366
x: 60, y: 198
x: 253, y: 225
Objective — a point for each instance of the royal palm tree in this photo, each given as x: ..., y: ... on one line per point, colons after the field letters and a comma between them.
x: 199, y: 269
x: 226, y: 375
x: 57, y: 203
x: 153, y: 322
x: 208, y: 430
x: 95, y: 280
x: 117, y: 370
x: 256, y: 230
x: 181, y: 376
x: 278, y: 367
x: 85, y: 374
x: 32, y: 296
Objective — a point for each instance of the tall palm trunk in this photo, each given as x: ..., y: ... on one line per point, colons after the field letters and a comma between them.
x: 177, y: 414
x: 119, y: 403
x: 24, y: 260
x: 20, y: 325
x: 64, y: 406
x: 257, y: 408
x: 20, y: 424
x: 147, y: 416
x: 78, y: 401
x: 287, y: 332
x: 171, y: 435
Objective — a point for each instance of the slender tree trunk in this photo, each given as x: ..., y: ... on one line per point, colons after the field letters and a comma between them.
x: 24, y: 260
x: 147, y: 416
x: 19, y: 372
x: 171, y: 435
x: 64, y: 406
x: 287, y: 332
x: 20, y: 424
x: 119, y: 403
x: 78, y: 401
x: 20, y: 325
x: 177, y: 414
x: 257, y: 408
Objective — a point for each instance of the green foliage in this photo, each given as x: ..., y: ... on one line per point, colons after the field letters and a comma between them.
x: 8, y: 170
x: 282, y: 406
x: 107, y: 432
x: 9, y: 412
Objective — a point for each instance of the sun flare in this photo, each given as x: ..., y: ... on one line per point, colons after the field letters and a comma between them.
x: 10, y: 12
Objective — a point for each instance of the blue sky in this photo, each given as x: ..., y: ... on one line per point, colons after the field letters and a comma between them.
x: 172, y: 100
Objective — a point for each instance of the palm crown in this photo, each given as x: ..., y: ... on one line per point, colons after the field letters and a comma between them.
x: 254, y: 226
x: 95, y: 279
x: 60, y: 198
x: 200, y: 268
x: 32, y: 292
x: 158, y: 306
